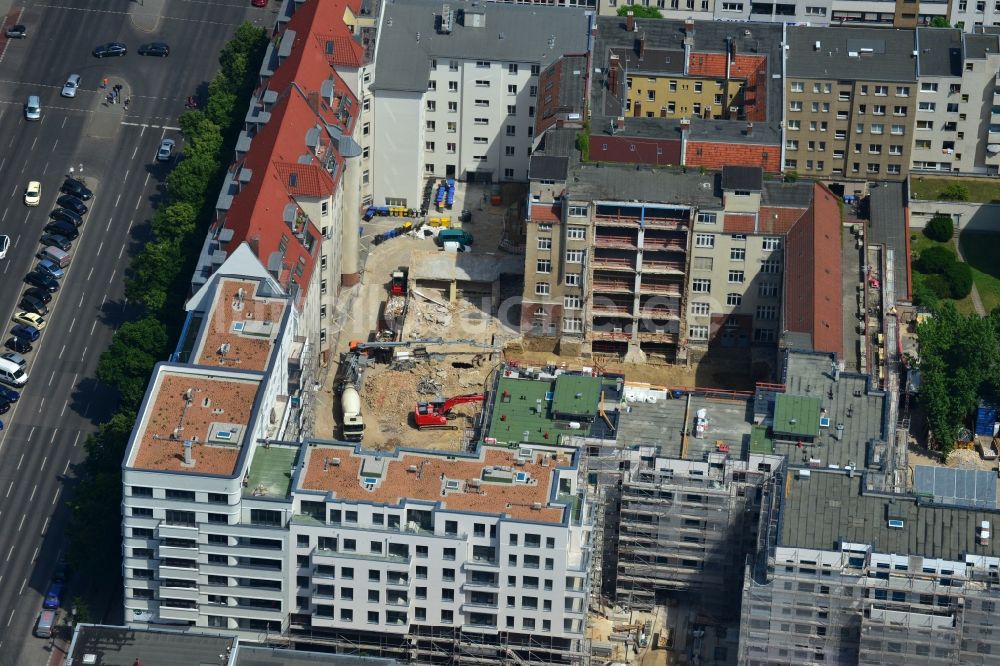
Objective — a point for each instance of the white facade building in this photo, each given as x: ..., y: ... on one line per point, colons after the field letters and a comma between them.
x: 456, y: 90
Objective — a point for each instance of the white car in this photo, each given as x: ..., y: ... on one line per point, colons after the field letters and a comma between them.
x: 71, y: 86
x: 33, y: 193
x: 4, y: 246
x: 166, y: 150
x: 33, y: 108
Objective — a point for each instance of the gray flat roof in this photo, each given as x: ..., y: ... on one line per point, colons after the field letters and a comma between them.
x: 548, y: 167
x: 665, y: 38
x: 121, y: 646
x: 940, y: 51
x: 787, y: 195
x: 512, y: 34
x: 979, y: 46
x: 661, y: 424
x: 828, y: 508
x: 629, y: 183
x: 888, y: 227
x: 846, y: 401
x: 742, y: 178
x: 891, y: 57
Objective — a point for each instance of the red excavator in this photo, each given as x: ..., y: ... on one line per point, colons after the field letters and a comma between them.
x: 437, y: 413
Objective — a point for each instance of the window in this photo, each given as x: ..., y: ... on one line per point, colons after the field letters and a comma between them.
x: 795, y: 105
x: 737, y: 254
x: 772, y: 242
x: 767, y: 311
x: 902, y: 91
x: 366, y: 129
x: 797, y: 86
x: 706, y: 218
x: 450, y: 147
x: 429, y: 146
x: 572, y: 325
x: 736, y: 277
x: 431, y: 105
x: 482, y: 102
x: 928, y: 87
x: 927, y: 106
x: 873, y: 167
x: 878, y: 109
x: 572, y: 279
x: 881, y: 91
x: 893, y: 169
x: 543, y: 266
x: 792, y: 144
x: 794, y: 125
x: 816, y: 11
x: 899, y: 110
x: 702, y: 263
x: 482, y: 83
x: 698, y: 332
x: 763, y: 335
x: 541, y: 288
x: 700, y: 308
x: 576, y: 233
x: 878, y: 128
x: 874, y: 149
x: 572, y: 302
x: 574, y: 256
x: 895, y: 149
x: 481, y: 121
x: 544, y: 243
x: 508, y: 151
x: 922, y: 143
x: 704, y: 240
x: 701, y: 285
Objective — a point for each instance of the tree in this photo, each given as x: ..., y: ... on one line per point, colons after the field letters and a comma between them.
x: 175, y: 221
x: 640, y: 11
x: 959, y: 356
x: 935, y: 259
x: 954, y: 192
x: 923, y: 293
x: 129, y: 361
x: 939, y: 22
x: 959, y: 277
x: 940, y: 228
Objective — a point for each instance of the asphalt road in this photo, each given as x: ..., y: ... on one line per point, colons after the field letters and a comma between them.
x: 62, y: 402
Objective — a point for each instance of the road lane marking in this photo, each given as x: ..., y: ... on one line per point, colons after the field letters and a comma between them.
x: 33, y: 143
x: 30, y: 434
x: 55, y: 431
x: 83, y: 355
x: 62, y: 350
x: 33, y: 491
x: 14, y: 191
x: 57, y: 140
x: 91, y: 271
x: 9, y: 488
x: 92, y: 326
x: 119, y: 198
x: 99, y: 248
x: 137, y: 203
x: 45, y: 527
x: 11, y: 618
x: 76, y: 440
x: 73, y: 323
x: 121, y: 251
x: 9, y: 553
x: 41, y: 405
x: 21, y: 524
x: 64, y: 121
x: 63, y: 410
x: 126, y: 175
x: 34, y: 556
x: 5, y: 210
x: 65, y: 468
x: 135, y: 151
x: 111, y: 280
x: 55, y: 495
x: 46, y: 169
x: 52, y: 377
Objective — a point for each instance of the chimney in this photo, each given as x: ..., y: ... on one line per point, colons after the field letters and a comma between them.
x: 613, y: 75
x: 689, y: 27
x: 685, y: 129
x: 630, y: 21
x: 749, y: 131
x: 620, y: 122
x: 642, y: 44
x: 188, y: 459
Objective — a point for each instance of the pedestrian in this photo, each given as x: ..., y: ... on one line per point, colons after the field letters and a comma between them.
x: 104, y: 83
x: 127, y: 100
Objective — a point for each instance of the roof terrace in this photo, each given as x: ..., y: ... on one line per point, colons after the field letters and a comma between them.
x: 241, y: 327
x: 212, y: 411
x: 518, y: 484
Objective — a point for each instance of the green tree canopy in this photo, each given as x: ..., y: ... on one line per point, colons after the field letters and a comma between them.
x: 935, y: 259
x: 954, y: 192
x: 639, y: 11
x: 129, y: 361
x: 940, y: 228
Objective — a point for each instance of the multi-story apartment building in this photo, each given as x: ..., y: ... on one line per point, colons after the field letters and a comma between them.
x: 417, y: 555
x: 973, y: 15
x: 850, y: 102
x: 957, y: 122
x: 855, y: 576
x: 895, y: 13
x: 694, y: 93
x: 606, y: 254
x: 456, y: 90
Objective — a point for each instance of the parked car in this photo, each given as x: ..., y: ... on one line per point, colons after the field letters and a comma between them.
x: 29, y: 333
x: 71, y: 86
x: 155, y: 49
x: 110, y: 49
x: 4, y: 246
x: 20, y: 345
x: 9, y: 394
x: 56, y: 240
x: 67, y: 215
x: 4, y: 406
x: 62, y: 570
x: 14, y: 358
x: 40, y: 281
x: 48, y: 267
x: 40, y: 294
x: 166, y: 150
x: 33, y: 108
x: 17, y: 31
x: 54, y: 596
x: 71, y: 203
x: 62, y: 228
x: 33, y: 193
x: 77, y: 189
x: 29, y: 319
x: 32, y: 304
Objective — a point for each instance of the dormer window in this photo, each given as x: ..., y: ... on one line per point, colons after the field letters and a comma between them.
x: 293, y: 179
x: 329, y: 47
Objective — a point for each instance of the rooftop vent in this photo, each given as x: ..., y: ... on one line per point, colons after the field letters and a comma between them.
x: 447, y: 19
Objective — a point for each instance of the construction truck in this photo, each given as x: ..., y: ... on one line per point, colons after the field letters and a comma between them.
x: 352, y: 424
x: 398, y: 285
x: 438, y: 414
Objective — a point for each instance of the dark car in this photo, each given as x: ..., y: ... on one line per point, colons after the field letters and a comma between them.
x: 54, y: 596
x: 77, y: 189
x: 66, y: 216
x: 4, y: 406
x: 158, y: 49
x: 58, y: 241
x: 61, y: 571
x: 62, y: 228
x: 110, y: 49
x: 45, y: 282
x: 69, y: 202
x: 29, y: 333
x: 17, y: 31
x: 8, y: 394
x: 32, y: 304
x: 19, y: 345
x: 39, y: 294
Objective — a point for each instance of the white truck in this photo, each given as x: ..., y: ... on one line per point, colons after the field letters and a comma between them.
x: 353, y: 425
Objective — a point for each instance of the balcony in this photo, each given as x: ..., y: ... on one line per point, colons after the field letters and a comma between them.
x: 662, y: 244
x: 165, y: 531
x: 661, y: 266
x: 623, y: 241
x: 182, y: 614
x: 609, y: 285
x: 480, y: 564
x: 185, y: 593
x: 482, y: 584
x: 660, y: 286
x: 607, y: 308
x: 614, y: 263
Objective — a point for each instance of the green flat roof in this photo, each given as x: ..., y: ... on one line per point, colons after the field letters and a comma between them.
x: 796, y: 415
x: 759, y: 441
x: 576, y: 395
x: 271, y: 471
x: 519, y: 412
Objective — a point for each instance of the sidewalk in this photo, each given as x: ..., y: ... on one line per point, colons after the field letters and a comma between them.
x: 977, y: 302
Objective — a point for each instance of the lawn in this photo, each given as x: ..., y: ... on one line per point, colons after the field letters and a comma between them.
x: 981, y: 190
x: 919, y: 243
x: 982, y: 253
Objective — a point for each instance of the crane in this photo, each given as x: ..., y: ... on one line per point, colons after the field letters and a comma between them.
x: 437, y: 413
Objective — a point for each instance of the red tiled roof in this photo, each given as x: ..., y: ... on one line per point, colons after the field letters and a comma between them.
x: 774, y: 220
x: 346, y: 51
x: 813, y: 283
x: 739, y: 223
x: 258, y: 210
x: 546, y: 213
x: 707, y: 64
